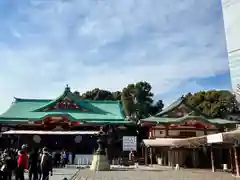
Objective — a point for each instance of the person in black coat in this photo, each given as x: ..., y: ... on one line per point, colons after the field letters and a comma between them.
x: 33, y: 164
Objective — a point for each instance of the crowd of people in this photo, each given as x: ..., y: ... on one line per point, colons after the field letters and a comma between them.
x: 38, y: 163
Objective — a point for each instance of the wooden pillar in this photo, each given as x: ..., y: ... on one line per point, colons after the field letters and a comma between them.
x: 165, y: 162
x: 150, y: 136
x: 230, y: 159
x: 236, y: 161
x: 151, y: 155
x: 166, y: 131
x: 162, y: 157
x: 194, y: 158
x: 212, y: 159
x: 172, y: 158
x: 205, y: 131
x: 169, y: 157
x: 146, y: 155
x: 221, y: 155
x: 178, y: 157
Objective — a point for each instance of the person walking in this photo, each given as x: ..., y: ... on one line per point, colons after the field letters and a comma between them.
x: 39, y: 162
x: 7, y: 166
x: 57, y: 159
x: 65, y: 158
x: 46, y: 164
x: 33, y: 165
x: 22, y: 165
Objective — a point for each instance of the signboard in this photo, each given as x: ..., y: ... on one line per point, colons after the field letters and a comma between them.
x: 215, y: 138
x: 129, y: 143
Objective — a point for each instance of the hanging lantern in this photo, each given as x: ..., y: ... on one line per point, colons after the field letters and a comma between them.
x: 37, y: 138
x: 75, y: 123
x: 78, y: 139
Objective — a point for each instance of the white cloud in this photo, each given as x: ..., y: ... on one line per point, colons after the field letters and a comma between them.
x: 108, y: 44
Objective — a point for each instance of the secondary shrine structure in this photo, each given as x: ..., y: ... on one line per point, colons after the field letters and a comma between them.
x: 175, y: 137
x: 67, y: 122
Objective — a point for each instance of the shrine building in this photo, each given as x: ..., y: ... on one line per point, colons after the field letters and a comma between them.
x: 174, y: 136
x: 67, y: 122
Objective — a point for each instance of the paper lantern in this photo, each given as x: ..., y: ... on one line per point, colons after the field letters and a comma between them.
x: 37, y: 138
x: 78, y: 139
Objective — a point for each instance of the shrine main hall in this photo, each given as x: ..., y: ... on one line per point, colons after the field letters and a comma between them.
x: 61, y: 122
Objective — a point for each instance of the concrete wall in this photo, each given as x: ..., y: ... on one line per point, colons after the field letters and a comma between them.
x: 231, y: 17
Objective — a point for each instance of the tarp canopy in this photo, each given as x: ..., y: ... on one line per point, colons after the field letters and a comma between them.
x: 176, y: 143
x: 161, y: 142
x: 225, y: 137
x: 27, y: 132
x: 231, y: 136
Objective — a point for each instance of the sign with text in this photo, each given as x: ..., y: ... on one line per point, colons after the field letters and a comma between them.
x: 129, y: 143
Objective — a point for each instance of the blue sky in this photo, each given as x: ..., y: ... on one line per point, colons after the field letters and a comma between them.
x: 177, y: 46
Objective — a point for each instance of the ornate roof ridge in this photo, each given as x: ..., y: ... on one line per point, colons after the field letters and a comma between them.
x: 172, y: 106
x: 31, y: 99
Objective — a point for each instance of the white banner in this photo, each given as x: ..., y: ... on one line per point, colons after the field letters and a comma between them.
x: 129, y: 143
x: 215, y: 138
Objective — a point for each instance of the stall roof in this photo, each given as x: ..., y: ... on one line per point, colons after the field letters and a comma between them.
x: 161, y: 142
x: 26, y: 132
x: 172, y: 142
x: 231, y: 136
x: 225, y: 137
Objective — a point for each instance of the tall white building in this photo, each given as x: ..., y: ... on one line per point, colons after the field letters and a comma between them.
x: 231, y: 17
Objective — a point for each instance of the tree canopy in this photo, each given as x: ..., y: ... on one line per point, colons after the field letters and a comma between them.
x: 137, y: 101
x: 213, y: 103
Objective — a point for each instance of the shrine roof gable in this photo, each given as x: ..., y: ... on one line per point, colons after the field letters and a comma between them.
x: 24, y: 109
x: 67, y: 95
x: 171, y: 107
x: 176, y: 104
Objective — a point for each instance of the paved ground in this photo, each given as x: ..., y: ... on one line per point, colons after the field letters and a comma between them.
x: 59, y: 174
x: 142, y: 174
x: 154, y: 174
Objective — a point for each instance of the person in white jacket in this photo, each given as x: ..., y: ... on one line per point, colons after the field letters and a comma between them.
x: 46, y: 164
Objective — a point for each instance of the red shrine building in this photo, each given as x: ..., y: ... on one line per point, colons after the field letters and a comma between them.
x: 176, y: 123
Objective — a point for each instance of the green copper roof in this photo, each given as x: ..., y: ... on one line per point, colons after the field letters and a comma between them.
x: 162, y: 120
x: 176, y: 104
x: 172, y: 106
x: 33, y: 109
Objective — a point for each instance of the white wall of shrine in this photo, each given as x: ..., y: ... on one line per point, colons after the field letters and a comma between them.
x: 161, y: 133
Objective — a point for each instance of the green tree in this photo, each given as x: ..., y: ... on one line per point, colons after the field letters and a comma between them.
x: 98, y: 94
x: 213, y: 103
x: 156, y: 107
x: 137, y: 100
x: 127, y: 100
x: 116, y: 95
x: 143, y: 99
